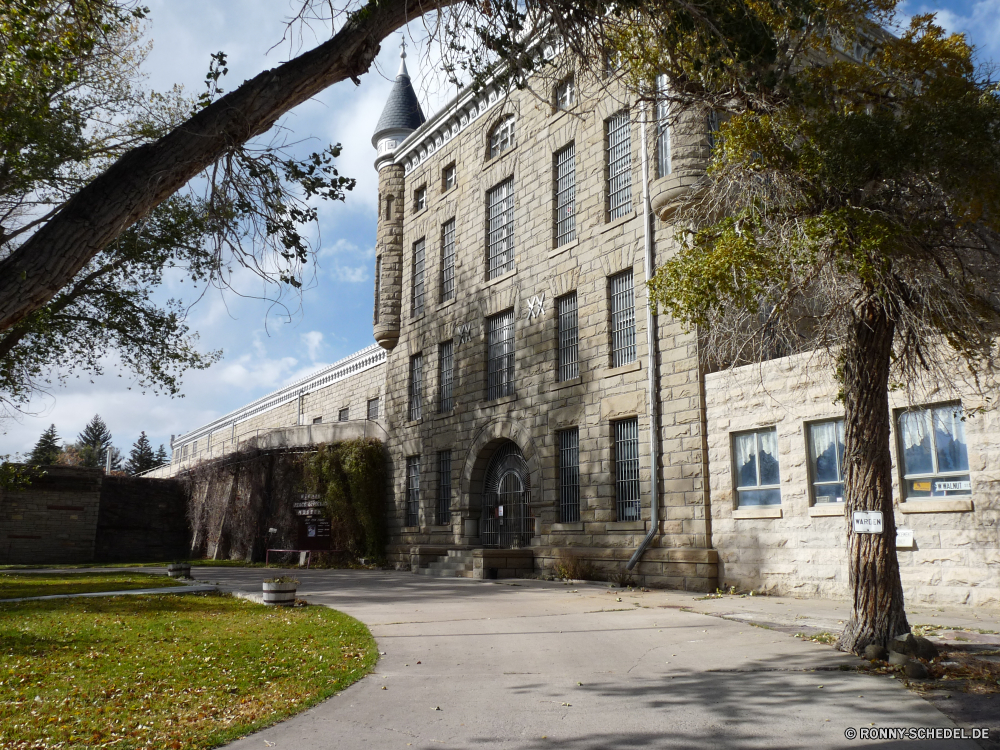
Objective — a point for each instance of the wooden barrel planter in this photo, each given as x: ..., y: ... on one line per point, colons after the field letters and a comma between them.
x: 282, y: 594
x: 179, y: 570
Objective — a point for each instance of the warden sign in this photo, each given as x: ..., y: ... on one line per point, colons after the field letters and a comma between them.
x: 867, y: 522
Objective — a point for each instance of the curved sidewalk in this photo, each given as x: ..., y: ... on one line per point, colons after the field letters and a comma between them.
x: 532, y: 665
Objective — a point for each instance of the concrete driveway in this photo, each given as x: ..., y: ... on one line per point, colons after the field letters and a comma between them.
x: 532, y: 665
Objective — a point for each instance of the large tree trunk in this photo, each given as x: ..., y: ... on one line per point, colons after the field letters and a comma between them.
x: 144, y: 177
x: 877, y: 615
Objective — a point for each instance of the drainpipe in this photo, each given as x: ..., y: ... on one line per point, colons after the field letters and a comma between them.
x: 654, y: 496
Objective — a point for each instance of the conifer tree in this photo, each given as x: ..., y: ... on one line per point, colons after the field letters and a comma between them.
x: 161, y: 455
x: 47, y: 449
x: 141, y: 457
x: 94, y: 442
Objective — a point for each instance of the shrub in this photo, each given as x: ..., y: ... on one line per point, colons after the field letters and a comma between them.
x: 577, y: 568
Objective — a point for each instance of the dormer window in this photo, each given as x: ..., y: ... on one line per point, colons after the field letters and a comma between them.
x: 502, y: 137
x: 566, y: 94
x: 419, y: 199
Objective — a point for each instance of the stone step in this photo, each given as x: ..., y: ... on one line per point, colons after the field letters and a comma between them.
x: 443, y: 573
x: 450, y: 565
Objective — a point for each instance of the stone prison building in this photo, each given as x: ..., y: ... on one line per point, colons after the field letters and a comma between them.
x: 535, y: 408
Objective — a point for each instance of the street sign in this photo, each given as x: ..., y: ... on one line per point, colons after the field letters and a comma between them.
x: 867, y: 521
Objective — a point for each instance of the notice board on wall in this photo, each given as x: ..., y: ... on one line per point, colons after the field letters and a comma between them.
x: 313, y: 523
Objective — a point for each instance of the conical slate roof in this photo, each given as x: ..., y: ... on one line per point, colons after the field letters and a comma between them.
x: 402, y: 110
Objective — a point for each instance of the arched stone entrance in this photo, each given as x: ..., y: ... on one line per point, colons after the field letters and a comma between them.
x: 506, y: 519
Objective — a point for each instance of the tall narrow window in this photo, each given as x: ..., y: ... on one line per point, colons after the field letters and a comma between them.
x: 569, y: 349
x: 755, y: 459
x: 565, y: 94
x: 449, y: 176
x: 569, y: 475
x: 446, y: 368
x: 934, y: 452
x: 500, y: 355
x: 413, y: 491
x: 565, y: 195
x: 448, y: 261
x: 619, y: 138
x: 502, y: 137
x: 378, y: 286
x: 419, y: 199
x: 627, y: 469
x: 416, y: 385
x: 344, y: 415
x: 622, y: 319
x: 712, y: 126
x: 663, y: 167
x: 373, y: 408
x: 418, y: 277
x: 826, y: 460
x: 444, y: 488
x: 500, y: 229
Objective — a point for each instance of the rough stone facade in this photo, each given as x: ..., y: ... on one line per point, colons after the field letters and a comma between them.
x: 799, y: 546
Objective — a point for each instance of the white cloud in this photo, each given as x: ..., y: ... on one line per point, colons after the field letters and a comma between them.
x: 313, y: 341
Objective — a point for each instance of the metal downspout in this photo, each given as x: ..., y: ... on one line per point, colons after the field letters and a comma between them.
x: 654, y: 495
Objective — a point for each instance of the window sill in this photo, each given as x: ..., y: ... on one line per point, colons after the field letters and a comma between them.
x: 563, y: 248
x: 411, y: 529
x: 501, y: 401
x: 758, y: 511
x: 501, y: 278
x: 827, y: 509
x: 445, y: 414
x: 440, y: 527
x: 442, y: 305
x: 412, y: 422
x: 621, y: 369
x: 617, y: 222
x: 578, y: 380
x: 943, y: 505
x: 417, y: 212
x: 567, y: 526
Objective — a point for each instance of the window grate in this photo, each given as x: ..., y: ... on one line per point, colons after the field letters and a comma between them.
x: 502, y: 137
x: 373, y: 408
x: 500, y: 355
x: 448, y: 260
x: 569, y: 363
x: 619, y: 165
x: 418, y: 277
x: 344, y: 415
x: 413, y: 491
x: 446, y: 372
x: 622, y: 319
x: 566, y: 195
x: 416, y: 385
x: 663, y: 167
x: 627, y: 469
x: 500, y: 229
x: 444, y: 488
x: 569, y: 475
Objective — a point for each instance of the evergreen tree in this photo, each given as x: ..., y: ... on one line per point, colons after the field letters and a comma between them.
x: 142, y: 457
x: 47, y: 449
x: 94, y: 442
x: 161, y: 456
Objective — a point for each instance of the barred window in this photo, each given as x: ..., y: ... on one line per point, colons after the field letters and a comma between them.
x: 663, y: 167
x: 444, y: 488
x: 416, y: 385
x: 449, y: 176
x: 622, y: 319
x: 446, y: 373
x: 566, y: 94
x: 502, y: 137
x: 627, y: 468
x: 344, y: 415
x: 500, y: 355
x: 413, y: 491
x: 565, y: 162
x: 419, y: 199
x: 569, y: 362
x: 418, y: 277
x: 755, y: 459
x: 619, y: 164
x: 448, y: 260
x: 569, y: 475
x: 373, y: 408
x: 500, y: 229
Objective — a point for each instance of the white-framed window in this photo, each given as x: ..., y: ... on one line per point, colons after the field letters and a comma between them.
x: 565, y: 166
x: 344, y: 415
x: 826, y: 460
x: 566, y: 93
x: 569, y: 475
x: 500, y: 229
x: 626, y: 432
x: 502, y: 136
x: 618, y: 129
x: 933, y: 452
x: 446, y: 374
x: 500, y: 355
x: 755, y: 467
x: 448, y: 260
x: 416, y: 386
x: 449, y: 178
x: 622, y: 319
x: 420, y: 199
x: 663, y: 166
x: 417, y: 296
x: 413, y: 490
x: 569, y: 346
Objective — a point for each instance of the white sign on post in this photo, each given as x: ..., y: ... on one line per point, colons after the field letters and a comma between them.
x: 867, y: 522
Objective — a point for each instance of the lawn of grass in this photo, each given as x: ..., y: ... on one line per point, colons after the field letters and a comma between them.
x: 14, y: 586
x: 192, y: 671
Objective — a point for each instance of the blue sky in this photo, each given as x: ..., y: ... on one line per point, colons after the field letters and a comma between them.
x: 263, y: 351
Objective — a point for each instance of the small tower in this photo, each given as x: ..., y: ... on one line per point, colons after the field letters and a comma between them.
x: 401, y: 116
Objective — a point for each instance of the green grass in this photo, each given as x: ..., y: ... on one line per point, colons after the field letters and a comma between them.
x: 38, y: 584
x: 192, y: 671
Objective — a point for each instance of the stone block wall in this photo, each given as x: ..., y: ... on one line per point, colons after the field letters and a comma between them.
x: 799, y: 547
x: 143, y: 520
x: 53, y: 520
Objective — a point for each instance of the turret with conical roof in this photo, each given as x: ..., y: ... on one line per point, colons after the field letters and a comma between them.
x: 400, y: 117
